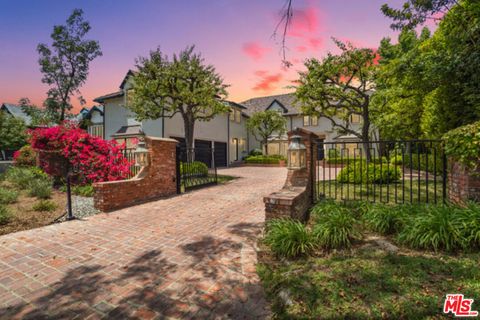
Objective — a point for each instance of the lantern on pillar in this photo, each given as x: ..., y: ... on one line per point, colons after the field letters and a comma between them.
x: 297, y: 153
x: 141, y: 154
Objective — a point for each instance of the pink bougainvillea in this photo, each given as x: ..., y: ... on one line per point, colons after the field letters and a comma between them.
x: 95, y: 159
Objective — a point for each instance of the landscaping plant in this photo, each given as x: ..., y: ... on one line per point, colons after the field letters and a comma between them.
x: 289, y: 238
x: 40, y: 188
x: 360, y: 172
x: 336, y: 228
x: 44, y: 206
x: 383, y: 218
x: 25, y: 157
x: 21, y: 177
x: 5, y: 215
x: 8, y: 196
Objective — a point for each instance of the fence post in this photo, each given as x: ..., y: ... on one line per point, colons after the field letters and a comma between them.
x: 177, y: 166
x: 444, y: 180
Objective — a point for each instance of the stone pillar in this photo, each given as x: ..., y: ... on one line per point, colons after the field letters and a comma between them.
x: 463, y: 183
x: 297, y: 195
x: 155, y: 181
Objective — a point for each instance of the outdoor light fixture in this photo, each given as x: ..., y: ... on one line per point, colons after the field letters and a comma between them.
x: 141, y: 154
x: 297, y: 153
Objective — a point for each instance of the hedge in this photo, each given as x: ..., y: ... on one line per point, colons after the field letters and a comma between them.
x: 360, y: 172
x: 194, y: 168
x: 273, y: 159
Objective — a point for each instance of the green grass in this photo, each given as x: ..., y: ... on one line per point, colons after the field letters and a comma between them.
x: 382, y: 192
x: 210, y: 179
x: 370, y: 284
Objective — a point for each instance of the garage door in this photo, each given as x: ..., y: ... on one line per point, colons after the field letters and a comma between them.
x: 203, y: 152
x: 221, y: 154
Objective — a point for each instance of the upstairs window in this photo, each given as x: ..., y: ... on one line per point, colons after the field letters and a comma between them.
x: 235, y: 116
x: 310, y: 121
x: 355, y: 118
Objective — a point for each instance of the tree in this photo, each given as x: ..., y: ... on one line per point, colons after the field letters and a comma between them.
x: 38, y: 116
x: 182, y: 85
x: 338, y: 87
x: 65, y: 64
x: 264, y: 124
x: 12, y: 131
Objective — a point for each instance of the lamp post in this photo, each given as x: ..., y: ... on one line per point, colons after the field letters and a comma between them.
x: 297, y: 153
x: 141, y: 154
x: 71, y: 170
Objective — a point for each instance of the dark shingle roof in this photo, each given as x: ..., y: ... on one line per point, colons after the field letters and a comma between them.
x: 108, y: 96
x: 287, y: 101
x: 17, y: 112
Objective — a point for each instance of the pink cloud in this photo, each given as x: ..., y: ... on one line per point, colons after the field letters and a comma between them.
x: 267, y: 81
x: 255, y: 50
x: 315, y: 43
x: 302, y: 49
x: 304, y: 21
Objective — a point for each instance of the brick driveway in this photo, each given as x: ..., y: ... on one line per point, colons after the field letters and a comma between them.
x: 189, y: 256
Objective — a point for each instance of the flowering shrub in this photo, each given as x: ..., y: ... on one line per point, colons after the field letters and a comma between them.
x: 25, y: 157
x: 96, y: 159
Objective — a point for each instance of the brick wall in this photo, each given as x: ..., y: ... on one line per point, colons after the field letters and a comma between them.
x: 463, y: 184
x: 154, y: 181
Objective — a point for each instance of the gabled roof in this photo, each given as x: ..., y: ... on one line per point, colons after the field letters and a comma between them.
x: 286, y: 101
x: 285, y: 110
x: 125, y: 79
x: 109, y: 96
x: 17, y: 112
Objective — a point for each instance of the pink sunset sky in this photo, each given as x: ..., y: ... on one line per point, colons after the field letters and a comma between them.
x: 233, y: 35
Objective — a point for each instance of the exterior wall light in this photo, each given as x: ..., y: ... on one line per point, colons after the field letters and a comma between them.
x: 297, y: 153
x: 141, y: 154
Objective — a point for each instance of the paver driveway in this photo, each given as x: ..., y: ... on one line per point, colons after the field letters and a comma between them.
x: 189, y: 256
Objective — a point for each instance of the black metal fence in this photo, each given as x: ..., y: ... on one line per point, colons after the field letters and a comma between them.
x: 405, y: 171
x: 195, y: 168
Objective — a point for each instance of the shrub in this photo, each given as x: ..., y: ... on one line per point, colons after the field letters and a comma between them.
x: 25, y: 157
x: 289, y: 238
x: 195, y: 168
x: 255, y: 152
x: 262, y: 159
x: 97, y: 160
x: 438, y: 227
x: 84, y: 191
x: 471, y: 224
x: 350, y: 160
x: 396, y: 160
x: 333, y: 153
x: 420, y: 162
x: 8, y: 196
x: 40, y: 188
x: 384, y: 219
x: 463, y: 144
x: 5, y: 215
x: 336, y: 229
x: 360, y: 172
x: 21, y: 177
x: 44, y: 206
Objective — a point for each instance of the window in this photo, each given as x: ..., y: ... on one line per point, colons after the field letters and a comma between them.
x: 238, y: 116
x: 355, y: 118
x: 310, y: 121
x: 96, y: 130
x: 306, y: 121
x: 232, y: 115
x: 314, y: 121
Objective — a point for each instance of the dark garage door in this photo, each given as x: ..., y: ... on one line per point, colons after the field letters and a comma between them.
x: 221, y: 154
x: 203, y: 152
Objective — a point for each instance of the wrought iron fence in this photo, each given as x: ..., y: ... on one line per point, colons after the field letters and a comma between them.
x: 195, y: 168
x: 404, y: 171
x: 129, y: 153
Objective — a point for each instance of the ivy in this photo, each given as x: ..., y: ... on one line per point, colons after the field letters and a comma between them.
x: 463, y: 144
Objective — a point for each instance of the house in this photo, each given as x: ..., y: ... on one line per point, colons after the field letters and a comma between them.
x: 16, y: 111
x: 92, y: 120
x: 226, y: 133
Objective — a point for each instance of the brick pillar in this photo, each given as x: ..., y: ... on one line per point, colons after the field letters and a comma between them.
x: 297, y: 195
x: 463, y: 183
x: 155, y: 181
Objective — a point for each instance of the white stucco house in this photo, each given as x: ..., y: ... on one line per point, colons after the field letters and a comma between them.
x: 227, y: 133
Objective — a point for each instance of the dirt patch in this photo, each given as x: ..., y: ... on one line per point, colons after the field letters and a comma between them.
x: 24, y: 217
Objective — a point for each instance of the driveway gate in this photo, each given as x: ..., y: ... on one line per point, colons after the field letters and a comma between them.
x: 195, y: 167
x: 406, y: 171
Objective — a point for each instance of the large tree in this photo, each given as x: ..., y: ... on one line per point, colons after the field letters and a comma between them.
x: 339, y: 87
x: 265, y: 124
x: 13, y: 132
x: 65, y: 64
x: 184, y: 85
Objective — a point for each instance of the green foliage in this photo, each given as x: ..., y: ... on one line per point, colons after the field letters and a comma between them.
x: 21, y: 177
x: 183, y: 84
x: 265, y: 124
x: 463, y: 144
x: 359, y: 172
x: 351, y: 160
x: 471, y: 225
x: 419, y: 162
x: 65, y: 64
x: 385, y: 219
x: 5, y: 215
x: 255, y: 152
x: 264, y: 159
x: 289, y: 238
x: 45, y: 206
x: 25, y: 157
x: 396, y: 160
x: 12, y: 131
x: 194, y: 168
x: 333, y: 153
x: 80, y: 190
x: 40, y: 188
x: 335, y: 226
x: 8, y: 196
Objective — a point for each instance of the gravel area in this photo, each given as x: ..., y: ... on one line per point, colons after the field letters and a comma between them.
x: 82, y: 207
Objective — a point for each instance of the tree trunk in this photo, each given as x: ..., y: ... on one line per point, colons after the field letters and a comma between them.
x: 365, y: 134
x: 265, y: 143
x: 189, y: 126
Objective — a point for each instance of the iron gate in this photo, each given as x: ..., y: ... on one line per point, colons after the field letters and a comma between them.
x: 406, y: 171
x: 195, y: 168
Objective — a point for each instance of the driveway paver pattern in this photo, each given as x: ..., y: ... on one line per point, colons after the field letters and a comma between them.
x: 190, y: 257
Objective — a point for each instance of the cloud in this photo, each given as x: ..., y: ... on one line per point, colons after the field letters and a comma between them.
x: 267, y: 81
x: 255, y: 50
x: 315, y: 43
x: 304, y: 21
x: 302, y: 49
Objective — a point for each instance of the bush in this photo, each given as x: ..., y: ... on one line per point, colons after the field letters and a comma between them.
x: 463, y: 144
x: 8, y: 196
x: 262, y: 159
x: 21, y: 177
x: 471, y: 225
x: 83, y: 191
x: 40, y: 188
x: 396, y: 160
x: 336, y: 228
x: 419, y: 162
x: 44, y: 206
x: 5, y: 215
x: 289, y: 238
x: 438, y: 227
x: 255, y: 152
x: 360, y: 172
x: 25, y: 157
x: 195, y: 168
x: 333, y: 153
x: 384, y: 219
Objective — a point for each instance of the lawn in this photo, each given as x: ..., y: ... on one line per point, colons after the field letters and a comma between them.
x: 400, y: 192
x: 367, y: 283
